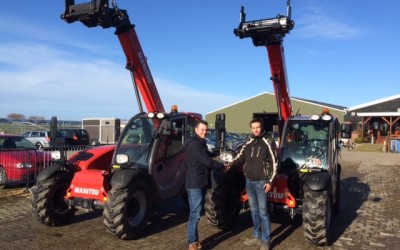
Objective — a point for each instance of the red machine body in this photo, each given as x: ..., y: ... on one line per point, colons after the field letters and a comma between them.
x: 270, y: 33
x: 137, y: 64
x: 279, y: 78
x: 148, y: 158
x: 98, y: 13
x: 91, y: 182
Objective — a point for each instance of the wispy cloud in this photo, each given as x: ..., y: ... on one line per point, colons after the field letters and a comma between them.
x: 37, y: 79
x: 323, y: 20
x: 48, y: 32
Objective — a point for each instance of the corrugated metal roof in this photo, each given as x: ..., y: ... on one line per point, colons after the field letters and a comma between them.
x: 374, y: 102
x: 380, y: 114
x: 322, y: 104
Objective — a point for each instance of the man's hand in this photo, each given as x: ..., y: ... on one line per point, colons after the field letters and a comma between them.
x: 267, y: 187
x: 227, y: 167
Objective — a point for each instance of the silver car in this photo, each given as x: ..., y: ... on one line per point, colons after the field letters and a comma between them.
x: 42, y: 139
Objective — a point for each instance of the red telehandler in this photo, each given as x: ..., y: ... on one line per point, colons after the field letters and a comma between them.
x: 148, y: 161
x: 308, y: 179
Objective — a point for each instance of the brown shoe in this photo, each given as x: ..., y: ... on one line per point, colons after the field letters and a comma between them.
x: 193, y: 246
x: 198, y: 246
x: 265, y: 245
x: 252, y: 242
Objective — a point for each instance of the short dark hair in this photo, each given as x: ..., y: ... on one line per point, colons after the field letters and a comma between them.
x: 257, y: 119
x: 198, y: 122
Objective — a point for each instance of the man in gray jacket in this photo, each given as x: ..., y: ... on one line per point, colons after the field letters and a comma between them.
x: 260, y: 167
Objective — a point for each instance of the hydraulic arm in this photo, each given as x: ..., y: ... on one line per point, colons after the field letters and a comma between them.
x: 270, y: 33
x: 98, y: 13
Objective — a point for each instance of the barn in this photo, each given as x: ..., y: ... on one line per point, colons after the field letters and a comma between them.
x: 238, y: 115
x: 377, y: 121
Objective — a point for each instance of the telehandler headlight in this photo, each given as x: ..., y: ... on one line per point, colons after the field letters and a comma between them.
x: 326, y: 117
x: 315, y: 117
x: 56, y: 155
x: 122, y: 158
x: 158, y: 115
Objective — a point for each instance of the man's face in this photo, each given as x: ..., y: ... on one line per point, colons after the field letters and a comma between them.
x: 201, y: 131
x: 256, y: 128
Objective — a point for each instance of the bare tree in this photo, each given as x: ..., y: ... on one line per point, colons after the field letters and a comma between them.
x: 36, y: 117
x: 16, y: 116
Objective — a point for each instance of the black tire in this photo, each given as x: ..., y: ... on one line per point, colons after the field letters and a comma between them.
x: 48, y: 204
x: 336, y: 205
x: 3, y: 178
x: 127, y: 210
x: 222, y: 205
x: 317, y: 216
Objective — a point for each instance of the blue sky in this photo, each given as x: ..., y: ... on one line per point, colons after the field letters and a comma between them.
x: 339, y: 52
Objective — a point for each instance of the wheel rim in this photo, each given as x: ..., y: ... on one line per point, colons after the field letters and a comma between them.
x: 137, y: 208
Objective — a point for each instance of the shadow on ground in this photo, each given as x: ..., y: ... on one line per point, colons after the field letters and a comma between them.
x: 355, y: 193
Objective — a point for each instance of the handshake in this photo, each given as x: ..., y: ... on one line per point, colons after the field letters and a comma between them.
x: 227, y: 167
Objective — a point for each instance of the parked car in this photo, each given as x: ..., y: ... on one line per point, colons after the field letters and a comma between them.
x: 42, y: 139
x: 20, y: 161
x: 211, y: 146
x: 75, y: 137
x: 233, y: 141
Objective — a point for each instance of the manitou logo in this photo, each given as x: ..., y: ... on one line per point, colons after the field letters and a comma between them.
x: 91, y: 191
x: 275, y: 195
x: 145, y: 67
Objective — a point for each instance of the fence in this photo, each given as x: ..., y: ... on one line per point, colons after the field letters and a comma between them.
x: 18, y: 128
x: 21, y: 167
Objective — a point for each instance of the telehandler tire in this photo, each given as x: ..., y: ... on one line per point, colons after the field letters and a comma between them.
x: 127, y: 210
x: 222, y: 205
x: 336, y: 205
x: 317, y: 216
x: 48, y: 203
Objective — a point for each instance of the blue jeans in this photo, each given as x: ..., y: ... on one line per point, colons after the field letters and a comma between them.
x: 196, y: 201
x: 259, y: 210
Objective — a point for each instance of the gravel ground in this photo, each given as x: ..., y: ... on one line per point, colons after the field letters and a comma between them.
x: 369, y: 218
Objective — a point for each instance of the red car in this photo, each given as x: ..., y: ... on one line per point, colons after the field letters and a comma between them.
x: 20, y: 162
